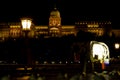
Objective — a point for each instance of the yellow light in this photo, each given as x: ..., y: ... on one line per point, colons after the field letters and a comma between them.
x: 20, y: 69
x: 23, y: 78
x: 117, y: 45
x: 68, y: 27
x: 29, y: 68
x: 26, y: 23
x: 53, y: 28
x: 93, y: 25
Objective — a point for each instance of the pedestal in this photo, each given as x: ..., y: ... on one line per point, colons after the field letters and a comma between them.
x: 27, y: 48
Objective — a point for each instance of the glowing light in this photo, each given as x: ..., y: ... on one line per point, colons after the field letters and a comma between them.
x: 93, y: 25
x: 53, y: 62
x: 54, y: 28
x: 23, y: 78
x: 29, y: 68
x: 100, y: 50
x: 26, y: 23
x: 45, y: 62
x: 20, y: 69
x: 68, y: 27
x: 117, y: 45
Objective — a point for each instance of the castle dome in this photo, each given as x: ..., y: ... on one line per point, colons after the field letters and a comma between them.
x: 55, y: 13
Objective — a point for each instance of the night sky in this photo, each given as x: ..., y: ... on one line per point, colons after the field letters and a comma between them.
x: 71, y: 10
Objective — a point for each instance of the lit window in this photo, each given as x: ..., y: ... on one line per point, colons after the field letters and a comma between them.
x: 90, y: 25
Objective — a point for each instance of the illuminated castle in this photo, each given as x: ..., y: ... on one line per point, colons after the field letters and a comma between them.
x: 55, y: 28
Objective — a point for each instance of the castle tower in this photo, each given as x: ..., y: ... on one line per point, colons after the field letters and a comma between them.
x: 54, y: 23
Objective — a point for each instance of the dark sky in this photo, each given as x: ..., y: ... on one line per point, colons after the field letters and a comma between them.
x: 71, y: 10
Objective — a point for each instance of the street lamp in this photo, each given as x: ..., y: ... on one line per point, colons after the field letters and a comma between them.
x: 26, y: 27
x: 117, y: 45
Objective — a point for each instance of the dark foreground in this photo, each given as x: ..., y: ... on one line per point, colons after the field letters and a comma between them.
x: 57, y: 72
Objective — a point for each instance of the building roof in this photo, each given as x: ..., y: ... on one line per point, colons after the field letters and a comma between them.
x: 55, y: 13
